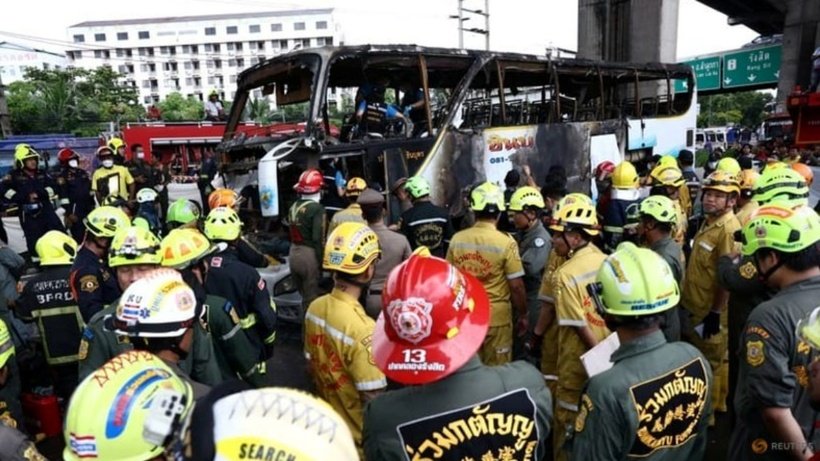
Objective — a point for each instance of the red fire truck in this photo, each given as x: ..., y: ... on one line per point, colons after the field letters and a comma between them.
x: 804, y: 109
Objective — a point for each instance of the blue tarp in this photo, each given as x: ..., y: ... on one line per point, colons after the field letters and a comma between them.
x: 48, y: 145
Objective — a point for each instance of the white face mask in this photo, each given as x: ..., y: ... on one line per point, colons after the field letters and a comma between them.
x: 140, y: 155
x: 713, y: 165
x: 73, y: 163
x: 108, y: 163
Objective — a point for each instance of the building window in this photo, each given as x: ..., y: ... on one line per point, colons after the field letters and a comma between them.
x: 189, y: 82
x: 209, y: 64
x: 144, y: 35
x: 305, y: 42
x: 80, y: 38
x: 188, y: 65
x: 99, y: 37
x: 232, y: 30
x: 280, y: 44
x: 122, y: 35
x: 163, y: 50
x: 210, y: 31
x: 232, y: 79
x: 211, y: 80
x: 105, y: 54
x: 218, y: 63
x: 231, y: 62
x: 298, y: 26
x: 240, y: 62
x: 321, y: 25
x: 255, y: 29
x: 276, y: 27
x: 146, y: 83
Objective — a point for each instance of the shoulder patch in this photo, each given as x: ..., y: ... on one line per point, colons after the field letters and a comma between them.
x: 83, y: 352
x: 216, y: 261
x: 89, y: 283
x: 539, y: 242
x: 747, y: 271
x: 755, y: 353
x: 87, y: 333
x: 31, y: 454
x: 581, y: 419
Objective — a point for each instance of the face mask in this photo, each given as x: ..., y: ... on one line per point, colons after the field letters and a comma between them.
x: 140, y: 155
x: 108, y: 163
x: 73, y: 163
x: 712, y: 165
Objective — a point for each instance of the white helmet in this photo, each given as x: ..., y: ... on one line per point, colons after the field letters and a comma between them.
x: 159, y: 305
x: 146, y: 195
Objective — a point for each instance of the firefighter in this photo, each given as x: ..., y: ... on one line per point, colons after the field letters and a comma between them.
x: 337, y: 331
x: 425, y: 224
x: 703, y: 298
x: 580, y: 327
x: 92, y: 283
x: 625, y: 191
x: 492, y: 257
x: 746, y: 205
x: 656, y: 223
x: 75, y: 192
x: 187, y: 250
x: 456, y: 309
x: 307, y: 236
x: 122, y: 389
x: 117, y: 146
x: 147, y: 212
x: 47, y: 299
x: 668, y: 181
x: 633, y: 290
x: 143, y: 173
x: 248, y: 253
x: 772, y: 394
x: 31, y: 191
x: 395, y: 247
x: 110, y: 178
x: 238, y: 282
x: 183, y: 213
x: 353, y: 213
x: 603, y: 185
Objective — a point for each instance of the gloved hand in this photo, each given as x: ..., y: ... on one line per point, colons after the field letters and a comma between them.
x: 407, y: 110
x: 711, y: 324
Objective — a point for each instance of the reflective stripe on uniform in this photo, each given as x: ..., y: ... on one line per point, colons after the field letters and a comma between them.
x: 231, y: 333
x: 248, y: 321
x: 566, y: 405
x: 473, y: 246
x: 571, y: 323
x: 515, y: 275
x: 330, y: 330
x: 582, y: 278
x: 614, y: 229
x: 64, y: 201
x: 10, y: 193
x: 550, y: 377
x: 51, y: 312
x: 546, y: 299
x: 270, y: 339
x: 371, y: 385
x: 426, y: 221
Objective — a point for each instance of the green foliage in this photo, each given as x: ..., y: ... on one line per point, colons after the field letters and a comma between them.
x: 292, y: 113
x: 177, y: 108
x: 701, y: 157
x: 744, y: 109
x: 258, y: 110
x: 70, y: 101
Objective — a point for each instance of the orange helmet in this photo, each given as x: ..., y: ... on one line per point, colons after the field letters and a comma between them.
x: 310, y: 182
x: 223, y: 198
x: 805, y: 171
x: 433, y: 314
x: 355, y: 186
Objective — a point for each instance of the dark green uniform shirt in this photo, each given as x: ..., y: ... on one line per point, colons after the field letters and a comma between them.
x: 307, y: 225
x: 16, y: 446
x: 235, y: 354
x: 746, y: 292
x: 653, y: 404
x: 773, y: 371
x: 672, y: 253
x: 487, y: 410
x: 534, y: 245
x: 100, y: 345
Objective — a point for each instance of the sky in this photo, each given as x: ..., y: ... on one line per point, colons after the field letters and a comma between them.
x: 526, y: 26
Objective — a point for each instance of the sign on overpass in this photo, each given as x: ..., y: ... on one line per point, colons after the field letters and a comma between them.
x: 753, y: 67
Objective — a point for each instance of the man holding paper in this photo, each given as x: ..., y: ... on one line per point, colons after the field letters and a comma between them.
x: 655, y: 401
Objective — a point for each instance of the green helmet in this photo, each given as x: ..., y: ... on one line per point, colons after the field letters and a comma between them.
x: 781, y: 228
x: 134, y: 245
x: 182, y: 212
x: 633, y: 215
x: 6, y: 344
x: 105, y: 221
x: 525, y: 197
x: 808, y: 329
x: 223, y: 224
x: 784, y: 186
x: 487, y: 197
x: 417, y: 187
x: 635, y: 282
x: 660, y: 208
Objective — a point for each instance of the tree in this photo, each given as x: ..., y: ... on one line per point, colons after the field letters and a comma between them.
x: 744, y: 109
x: 258, y: 110
x: 177, y: 108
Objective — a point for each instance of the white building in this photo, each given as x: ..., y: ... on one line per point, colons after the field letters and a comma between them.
x: 14, y: 58
x: 194, y: 54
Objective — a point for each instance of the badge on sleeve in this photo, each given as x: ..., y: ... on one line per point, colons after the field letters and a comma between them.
x: 539, y: 242
x: 747, y: 271
x: 754, y: 353
x: 31, y: 454
x: 83, y: 353
x: 89, y: 283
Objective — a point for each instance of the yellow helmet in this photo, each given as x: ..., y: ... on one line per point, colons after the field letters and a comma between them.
x: 107, y: 412
x: 667, y: 175
x: 351, y: 248
x: 668, y: 160
x: 183, y: 247
x: 721, y: 181
x: 132, y: 246
x: 574, y: 198
x: 355, y: 186
x: 729, y: 165
x: 114, y: 144
x: 105, y: 221
x: 23, y: 152
x: 55, y: 248
x: 487, y: 197
x: 577, y: 215
x: 525, y: 197
x: 625, y: 176
x: 6, y: 344
x: 223, y: 224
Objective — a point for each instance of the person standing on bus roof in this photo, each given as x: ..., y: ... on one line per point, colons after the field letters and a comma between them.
x: 625, y: 192
x: 76, y: 197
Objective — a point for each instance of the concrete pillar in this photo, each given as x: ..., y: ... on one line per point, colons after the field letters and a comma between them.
x: 654, y: 33
x: 590, y: 29
x: 800, y: 35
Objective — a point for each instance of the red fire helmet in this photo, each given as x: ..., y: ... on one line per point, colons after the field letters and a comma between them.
x: 66, y: 154
x: 604, y: 170
x: 310, y: 182
x: 434, y: 319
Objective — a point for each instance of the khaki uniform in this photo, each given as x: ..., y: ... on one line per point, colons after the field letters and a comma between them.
x: 353, y: 213
x: 307, y: 240
x: 112, y: 181
x: 492, y: 257
x: 574, y: 308
x: 338, y: 335
x: 679, y: 232
x: 549, y: 347
x: 685, y: 199
x: 395, y: 249
x: 745, y: 212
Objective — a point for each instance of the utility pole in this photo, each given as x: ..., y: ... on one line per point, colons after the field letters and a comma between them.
x: 5, y: 123
x: 487, y: 25
x: 461, y: 19
x: 460, y: 24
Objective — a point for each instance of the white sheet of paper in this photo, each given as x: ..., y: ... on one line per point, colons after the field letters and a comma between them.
x: 597, y: 360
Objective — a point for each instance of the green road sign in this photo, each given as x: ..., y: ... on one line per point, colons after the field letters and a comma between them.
x: 707, y: 74
x: 751, y: 67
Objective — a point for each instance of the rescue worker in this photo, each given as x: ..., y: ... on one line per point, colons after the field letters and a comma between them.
x: 625, y: 191
x: 148, y: 211
x: 632, y: 291
x: 657, y: 219
x: 144, y: 174
x: 110, y: 178
x: 187, y: 251
x: 729, y: 165
x: 580, y: 327
x: 92, y: 283
x: 603, y: 185
x: 805, y: 171
x: 534, y: 246
x: 183, y: 213
x: 353, y: 213
x: 11, y: 410
x: 399, y: 200
x: 207, y: 173
x: 124, y: 387
x: 780, y: 184
x: 248, y: 253
x: 425, y: 224
x: 375, y: 116
x: 686, y: 161
x: 75, y: 193
x: 307, y: 236
x: 808, y: 331
x: 337, y: 331
x: 668, y: 181
x: 117, y: 146
x: 441, y: 364
x: 47, y: 300
x: 703, y: 298
x: 31, y: 190
x: 492, y: 257
x: 16, y: 446
x: 158, y: 313
x: 394, y: 248
x: 746, y: 205
x: 772, y: 397
x: 238, y: 282
x: 333, y: 185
